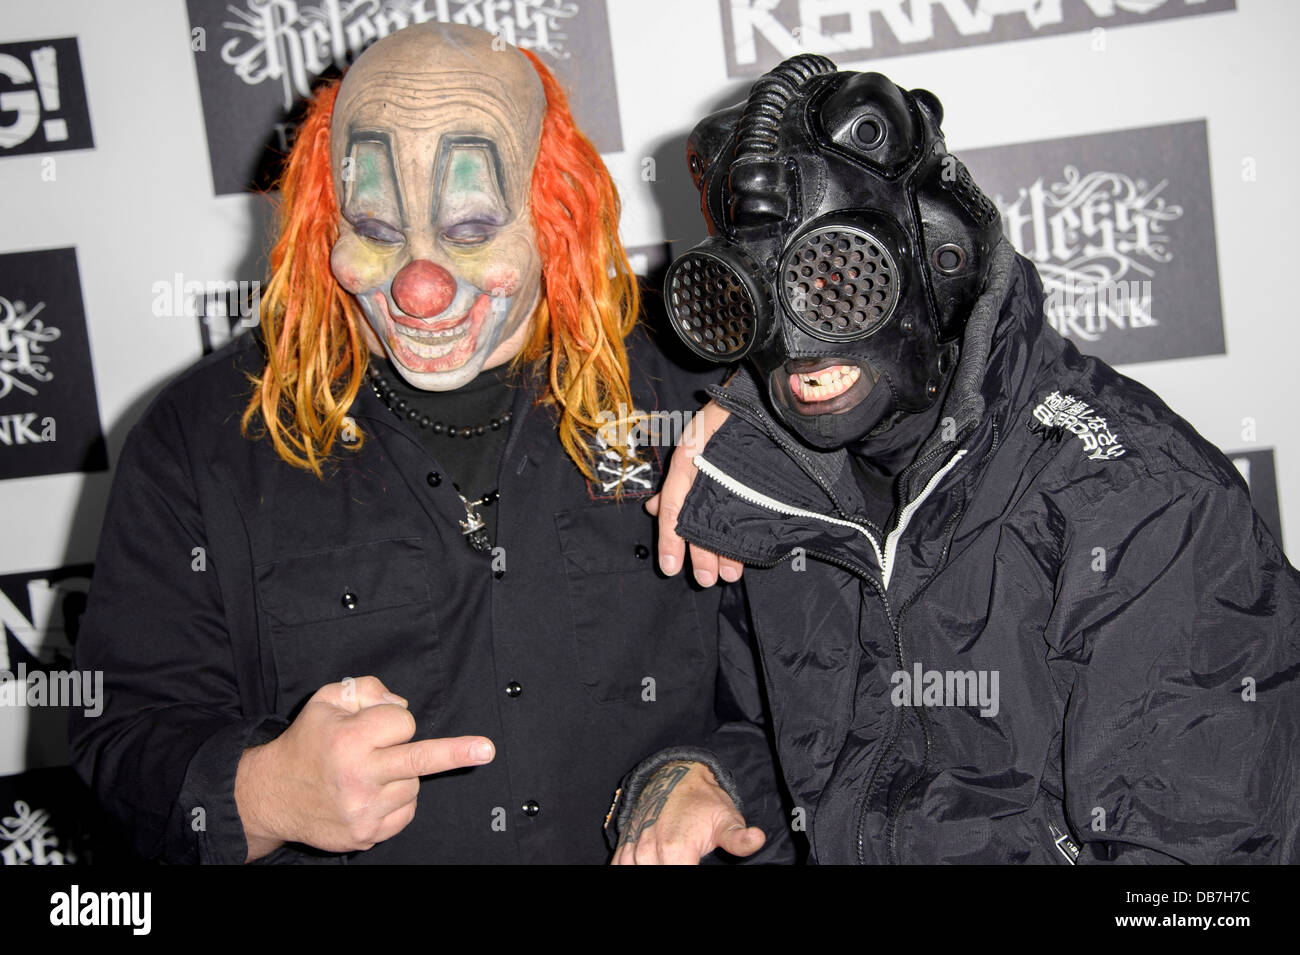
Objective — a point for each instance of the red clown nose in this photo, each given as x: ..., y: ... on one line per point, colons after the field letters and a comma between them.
x: 423, y: 289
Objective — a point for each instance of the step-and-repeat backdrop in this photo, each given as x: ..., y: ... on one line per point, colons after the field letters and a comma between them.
x: 1142, y: 153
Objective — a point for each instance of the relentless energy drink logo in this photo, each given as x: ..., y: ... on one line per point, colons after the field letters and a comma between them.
x: 49, y: 415
x: 258, y: 60
x: 1121, y: 229
x: 761, y: 33
x: 28, y: 838
x: 49, y: 817
x: 24, y: 338
x: 43, y: 819
x: 42, y: 98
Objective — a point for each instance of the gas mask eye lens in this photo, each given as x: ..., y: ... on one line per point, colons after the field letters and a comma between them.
x: 839, y: 283
x: 712, y: 308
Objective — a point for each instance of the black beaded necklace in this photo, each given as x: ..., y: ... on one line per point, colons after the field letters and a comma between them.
x: 473, y: 527
x: 403, y: 409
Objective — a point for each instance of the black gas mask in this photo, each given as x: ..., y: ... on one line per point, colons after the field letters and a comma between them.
x: 846, y: 248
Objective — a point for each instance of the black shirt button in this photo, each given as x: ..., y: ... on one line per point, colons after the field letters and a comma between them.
x: 531, y: 808
x: 513, y: 689
x: 641, y: 551
x: 434, y: 478
x: 498, y: 574
x: 349, y: 600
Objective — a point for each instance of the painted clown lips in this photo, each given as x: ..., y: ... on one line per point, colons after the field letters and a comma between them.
x: 445, y: 341
x: 428, y: 346
x: 821, y: 386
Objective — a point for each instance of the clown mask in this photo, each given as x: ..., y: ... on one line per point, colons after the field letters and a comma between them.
x: 433, y: 142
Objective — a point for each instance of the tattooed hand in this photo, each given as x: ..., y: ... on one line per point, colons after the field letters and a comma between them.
x: 681, y: 816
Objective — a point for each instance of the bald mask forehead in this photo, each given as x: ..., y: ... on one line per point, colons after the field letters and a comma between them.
x: 421, y: 86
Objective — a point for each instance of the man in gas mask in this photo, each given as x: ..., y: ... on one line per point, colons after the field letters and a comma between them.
x: 1010, y: 607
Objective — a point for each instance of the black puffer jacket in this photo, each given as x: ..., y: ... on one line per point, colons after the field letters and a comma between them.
x: 1067, y: 553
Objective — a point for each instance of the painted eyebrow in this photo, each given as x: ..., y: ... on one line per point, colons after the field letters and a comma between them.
x: 448, y: 145
x: 381, y: 138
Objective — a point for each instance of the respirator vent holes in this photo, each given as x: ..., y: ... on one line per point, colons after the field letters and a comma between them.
x: 839, y: 283
x: 710, y: 305
x: 972, y: 198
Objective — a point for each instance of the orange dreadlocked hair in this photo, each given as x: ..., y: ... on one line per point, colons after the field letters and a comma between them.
x: 590, y: 297
x: 316, y: 356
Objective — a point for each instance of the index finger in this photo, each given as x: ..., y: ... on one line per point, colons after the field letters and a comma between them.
x: 424, y: 757
x: 681, y: 475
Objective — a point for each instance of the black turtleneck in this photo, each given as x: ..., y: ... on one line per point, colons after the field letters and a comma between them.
x: 879, y: 459
x: 471, y: 463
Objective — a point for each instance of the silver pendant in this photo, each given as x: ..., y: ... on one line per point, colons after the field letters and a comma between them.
x: 474, y: 528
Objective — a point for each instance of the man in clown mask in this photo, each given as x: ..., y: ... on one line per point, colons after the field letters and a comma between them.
x: 407, y: 612
x: 1011, y: 608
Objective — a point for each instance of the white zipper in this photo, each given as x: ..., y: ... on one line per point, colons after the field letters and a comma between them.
x: 891, y: 542
x: 884, y: 559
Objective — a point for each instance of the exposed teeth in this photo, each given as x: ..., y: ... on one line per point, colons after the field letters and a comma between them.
x: 825, y: 384
x: 428, y: 335
x: 430, y: 351
x: 428, y: 343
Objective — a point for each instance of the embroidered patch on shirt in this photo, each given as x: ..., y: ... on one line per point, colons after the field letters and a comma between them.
x: 1075, y: 416
x: 638, y: 472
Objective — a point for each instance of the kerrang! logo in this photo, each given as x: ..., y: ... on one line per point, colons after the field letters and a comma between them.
x: 858, y: 29
x: 295, y: 42
x: 23, y: 337
x: 1096, y: 240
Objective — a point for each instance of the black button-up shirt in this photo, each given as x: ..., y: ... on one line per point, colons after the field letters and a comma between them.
x: 230, y: 586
